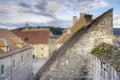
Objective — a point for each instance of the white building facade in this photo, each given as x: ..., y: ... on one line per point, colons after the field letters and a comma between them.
x: 15, y: 57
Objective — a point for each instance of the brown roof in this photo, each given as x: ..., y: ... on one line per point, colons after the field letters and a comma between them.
x: 1, y: 52
x: 2, y: 43
x: 6, y: 38
x: 67, y: 46
x: 34, y: 36
x: 16, y: 40
x: 64, y: 38
x: 79, y: 24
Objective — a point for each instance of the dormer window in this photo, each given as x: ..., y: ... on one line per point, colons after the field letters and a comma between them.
x: 2, y: 69
x: 7, y: 48
x: 4, y: 46
x: 26, y: 39
x: 18, y: 42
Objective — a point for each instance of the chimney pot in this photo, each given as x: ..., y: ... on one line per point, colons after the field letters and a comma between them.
x: 74, y: 20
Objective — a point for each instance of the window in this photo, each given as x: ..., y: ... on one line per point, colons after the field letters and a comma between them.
x: 41, y: 48
x: 26, y: 39
x: 2, y: 69
x: 21, y: 58
x: 33, y: 56
x: 41, y: 54
x: 7, y: 49
x: 13, y: 63
x: 101, y: 65
x: 27, y: 56
x: 104, y: 73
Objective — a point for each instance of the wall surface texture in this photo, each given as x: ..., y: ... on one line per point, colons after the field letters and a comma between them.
x: 17, y: 66
x: 78, y: 63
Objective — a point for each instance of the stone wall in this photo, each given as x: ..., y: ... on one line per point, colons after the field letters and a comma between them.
x: 22, y: 69
x: 77, y: 63
x: 102, y: 70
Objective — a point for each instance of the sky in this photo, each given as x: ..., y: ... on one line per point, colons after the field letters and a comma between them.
x: 58, y: 13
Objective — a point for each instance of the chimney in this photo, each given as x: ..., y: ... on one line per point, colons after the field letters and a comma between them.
x: 74, y: 20
x: 86, y: 17
x: 82, y: 15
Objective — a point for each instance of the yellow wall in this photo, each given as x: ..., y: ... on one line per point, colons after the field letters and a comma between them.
x: 81, y: 23
x: 41, y: 50
x: 19, y: 45
x: 3, y: 48
x: 59, y: 45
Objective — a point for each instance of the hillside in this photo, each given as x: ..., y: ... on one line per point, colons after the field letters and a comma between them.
x: 116, y: 31
x: 54, y: 30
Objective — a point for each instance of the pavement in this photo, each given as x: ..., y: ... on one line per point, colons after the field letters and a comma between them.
x: 37, y: 64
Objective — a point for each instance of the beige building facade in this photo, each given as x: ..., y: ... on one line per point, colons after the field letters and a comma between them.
x: 39, y: 39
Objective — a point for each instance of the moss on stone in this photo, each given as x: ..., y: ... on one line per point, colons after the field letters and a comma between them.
x: 109, y: 53
x: 99, y: 50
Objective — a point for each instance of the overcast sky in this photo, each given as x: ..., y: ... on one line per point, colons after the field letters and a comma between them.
x: 16, y: 13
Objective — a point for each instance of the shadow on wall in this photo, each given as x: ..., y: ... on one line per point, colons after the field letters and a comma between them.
x: 83, y: 72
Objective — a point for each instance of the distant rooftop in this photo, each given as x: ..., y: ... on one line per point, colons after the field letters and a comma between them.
x: 9, y: 40
x: 35, y: 36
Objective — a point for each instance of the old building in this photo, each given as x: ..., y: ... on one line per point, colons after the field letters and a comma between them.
x: 53, y: 41
x: 73, y: 60
x: 84, y: 20
x: 15, y: 57
x: 39, y: 38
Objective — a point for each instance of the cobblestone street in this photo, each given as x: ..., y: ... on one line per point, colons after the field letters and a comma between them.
x: 37, y: 64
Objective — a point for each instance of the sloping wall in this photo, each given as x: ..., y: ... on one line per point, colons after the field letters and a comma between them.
x: 73, y: 61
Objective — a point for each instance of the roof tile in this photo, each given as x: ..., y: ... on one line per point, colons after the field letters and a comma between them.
x: 34, y: 36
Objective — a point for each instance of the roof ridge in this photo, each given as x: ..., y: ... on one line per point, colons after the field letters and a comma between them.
x: 68, y: 44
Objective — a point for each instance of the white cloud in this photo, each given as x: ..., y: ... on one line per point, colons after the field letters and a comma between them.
x: 116, y: 19
x: 44, y: 11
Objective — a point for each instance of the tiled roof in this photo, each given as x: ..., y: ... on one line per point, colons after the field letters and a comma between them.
x: 2, y: 43
x: 16, y: 40
x: 6, y: 38
x: 34, y: 36
x: 1, y: 52
x: 64, y: 38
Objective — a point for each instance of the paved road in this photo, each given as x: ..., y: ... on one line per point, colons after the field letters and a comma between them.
x: 37, y: 64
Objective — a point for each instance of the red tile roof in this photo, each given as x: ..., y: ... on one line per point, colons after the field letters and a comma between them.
x: 1, y: 52
x: 16, y: 40
x: 6, y: 39
x: 34, y: 36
